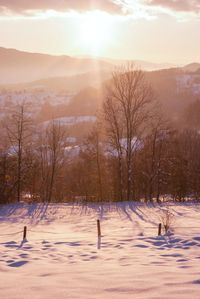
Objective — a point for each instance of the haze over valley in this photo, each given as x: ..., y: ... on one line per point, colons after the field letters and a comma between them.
x: 72, y: 88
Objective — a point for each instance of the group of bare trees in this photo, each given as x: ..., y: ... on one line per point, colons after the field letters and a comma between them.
x: 165, y: 165
x: 132, y: 153
x: 31, y: 157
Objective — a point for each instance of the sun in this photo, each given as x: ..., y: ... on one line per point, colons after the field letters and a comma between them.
x: 95, y: 33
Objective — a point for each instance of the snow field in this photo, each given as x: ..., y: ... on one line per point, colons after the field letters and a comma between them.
x: 64, y: 257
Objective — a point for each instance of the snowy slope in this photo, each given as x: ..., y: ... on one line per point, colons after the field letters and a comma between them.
x: 71, y: 120
x: 63, y: 257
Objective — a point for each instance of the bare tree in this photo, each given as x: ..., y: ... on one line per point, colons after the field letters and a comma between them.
x: 153, y: 156
x: 5, y: 178
x: 94, y: 152
x: 18, y: 128
x: 114, y: 132
x: 51, y: 156
x: 127, y: 109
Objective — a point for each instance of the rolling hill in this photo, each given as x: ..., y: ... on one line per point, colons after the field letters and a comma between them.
x: 20, y: 67
x: 17, y: 66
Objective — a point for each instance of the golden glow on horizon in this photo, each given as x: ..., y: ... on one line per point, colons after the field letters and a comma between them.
x: 95, y: 33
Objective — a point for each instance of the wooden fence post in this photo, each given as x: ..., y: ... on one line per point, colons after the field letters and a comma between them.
x: 98, y: 228
x: 24, y: 233
x: 159, y: 229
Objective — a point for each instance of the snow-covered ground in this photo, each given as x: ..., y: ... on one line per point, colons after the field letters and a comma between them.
x: 63, y: 257
x: 35, y: 97
x: 188, y: 82
x: 72, y: 120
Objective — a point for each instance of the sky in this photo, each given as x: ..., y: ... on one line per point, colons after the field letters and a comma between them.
x: 151, y: 30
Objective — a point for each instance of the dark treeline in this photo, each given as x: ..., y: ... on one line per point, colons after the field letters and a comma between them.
x: 132, y: 152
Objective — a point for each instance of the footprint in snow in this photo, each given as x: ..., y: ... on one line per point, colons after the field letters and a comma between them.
x: 182, y: 260
x: 23, y: 255
x: 196, y: 281
x: 11, y: 244
x: 196, y: 238
x: 141, y: 246
x: 18, y: 264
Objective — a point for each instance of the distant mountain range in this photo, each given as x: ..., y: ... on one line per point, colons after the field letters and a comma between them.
x: 192, y: 67
x: 145, y: 65
x: 17, y: 66
x: 20, y: 67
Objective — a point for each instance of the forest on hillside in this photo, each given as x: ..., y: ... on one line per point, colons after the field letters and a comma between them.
x: 132, y: 152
